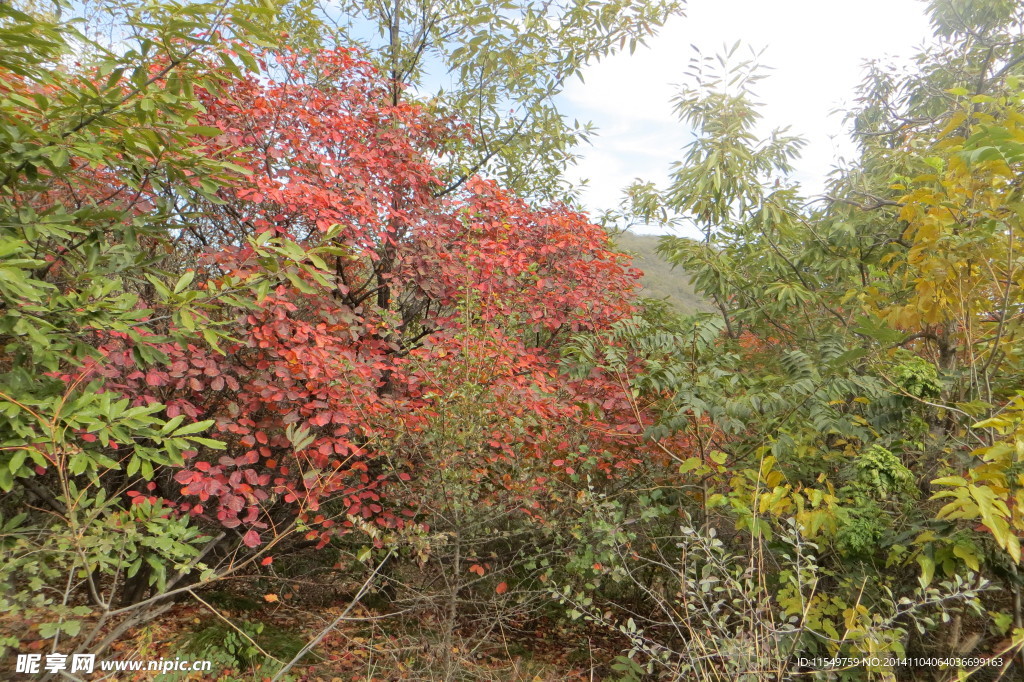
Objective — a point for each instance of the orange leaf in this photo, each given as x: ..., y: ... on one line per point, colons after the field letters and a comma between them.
x: 270, y: 597
x: 478, y: 569
x: 502, y: 588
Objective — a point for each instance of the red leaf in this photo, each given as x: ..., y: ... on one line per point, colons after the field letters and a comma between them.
x: 251, y: 539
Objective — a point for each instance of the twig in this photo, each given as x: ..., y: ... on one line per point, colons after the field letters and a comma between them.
x: 334, y: 623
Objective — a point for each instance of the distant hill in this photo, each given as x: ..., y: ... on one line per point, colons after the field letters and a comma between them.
x: 660, y: 279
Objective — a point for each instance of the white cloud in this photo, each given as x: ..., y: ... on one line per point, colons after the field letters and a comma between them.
x: 816, y: 49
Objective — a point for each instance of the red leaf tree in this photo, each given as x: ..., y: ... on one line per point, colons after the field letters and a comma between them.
x: 374, y: 290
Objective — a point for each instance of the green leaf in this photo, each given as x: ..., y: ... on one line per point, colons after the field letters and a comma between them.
x: 194, y: 427
x: 172, y: 424
x: 927, y: 565
x: 209, y: 442
x: 205, y: 131
x: 184, y: 281
x: 17, y: 460
x: 48, y: 630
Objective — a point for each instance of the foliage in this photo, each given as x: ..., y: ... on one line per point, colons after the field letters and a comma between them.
x: 261, y: 318
x: 864, y: 392
x: 497, y: 67
x: 89, y: 159
x: 239, y: 310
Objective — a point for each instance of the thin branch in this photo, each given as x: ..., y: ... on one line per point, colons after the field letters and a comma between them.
x: 334, y: 623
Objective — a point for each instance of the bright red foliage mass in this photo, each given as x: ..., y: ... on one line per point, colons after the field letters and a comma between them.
x: 329, y: 371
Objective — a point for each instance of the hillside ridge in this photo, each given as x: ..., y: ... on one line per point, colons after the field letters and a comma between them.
x: 661, y: 279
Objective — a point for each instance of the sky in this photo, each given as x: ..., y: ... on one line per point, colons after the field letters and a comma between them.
x: 816, y: 50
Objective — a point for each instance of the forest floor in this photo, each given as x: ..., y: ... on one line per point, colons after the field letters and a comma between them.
x: 244, y: 637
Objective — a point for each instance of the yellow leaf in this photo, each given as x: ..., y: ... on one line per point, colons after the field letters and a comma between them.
x: 1013, y: 548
